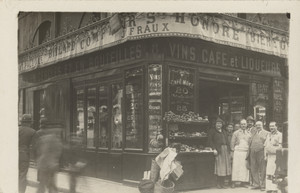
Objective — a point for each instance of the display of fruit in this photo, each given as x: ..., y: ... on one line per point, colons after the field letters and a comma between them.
x: 185, y: 117
x: 194, y: 148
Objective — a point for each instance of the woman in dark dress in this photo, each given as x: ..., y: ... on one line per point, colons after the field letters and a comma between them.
x: 218, y: 141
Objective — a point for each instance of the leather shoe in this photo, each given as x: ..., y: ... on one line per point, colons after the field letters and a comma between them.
x: 224, y: 187
x: 255, y: 188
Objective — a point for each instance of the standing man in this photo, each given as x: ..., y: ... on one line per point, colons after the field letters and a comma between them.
x: 26, y: 135
x: 240, y: 146
x: 257, y: 161
x: 250, y: 124
x: 273, y: 142
x: 218, y: 141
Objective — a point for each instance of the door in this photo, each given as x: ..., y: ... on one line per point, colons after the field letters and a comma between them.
x: 225, y: 100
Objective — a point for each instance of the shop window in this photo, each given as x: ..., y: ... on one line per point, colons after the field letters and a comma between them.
x: 116, y: 122
x: 91, y: 116
x: 20, y: 104
x: 260, y: 98
x: 98, y: 116
x: 134, y: 108
x: 260, y: 114
x: 103, y: 117
x: 80, y: 112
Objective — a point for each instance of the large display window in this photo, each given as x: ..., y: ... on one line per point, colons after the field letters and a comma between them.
x: 116, y: 125
x: 134, y: 108
x: 98, y: 115
x: 103, y: 116
x: 91, y: 116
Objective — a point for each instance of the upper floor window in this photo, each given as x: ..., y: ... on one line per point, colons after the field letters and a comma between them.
x: 42, y: 33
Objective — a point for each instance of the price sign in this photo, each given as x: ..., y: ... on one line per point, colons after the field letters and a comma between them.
x: 154, y: 106
x: 181, y: 84
x: 278, y: 100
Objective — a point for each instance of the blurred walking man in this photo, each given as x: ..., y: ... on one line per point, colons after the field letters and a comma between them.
x: 49, y: 148
x: 257, y: 161
x: 26, y: 135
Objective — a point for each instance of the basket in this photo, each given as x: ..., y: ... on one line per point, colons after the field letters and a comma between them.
x: 146, y: 186
x: 167, y: 187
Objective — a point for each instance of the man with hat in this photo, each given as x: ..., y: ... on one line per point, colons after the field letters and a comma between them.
x: 26, y: 135
x: 218, y: 141
x: 250, y: 124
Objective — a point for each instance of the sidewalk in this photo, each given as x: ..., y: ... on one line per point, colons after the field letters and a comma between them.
x: 85, y: 184
x: 95, y: 185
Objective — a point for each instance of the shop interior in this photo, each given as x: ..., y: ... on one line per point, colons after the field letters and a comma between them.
x: 221, y: 99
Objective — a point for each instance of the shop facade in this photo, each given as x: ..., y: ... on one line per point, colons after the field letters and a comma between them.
x: 117, y: 87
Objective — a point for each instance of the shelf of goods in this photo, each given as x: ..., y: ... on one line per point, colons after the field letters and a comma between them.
x: 197, y: 159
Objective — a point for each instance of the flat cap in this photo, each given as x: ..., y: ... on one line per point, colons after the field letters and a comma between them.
x: 26, y: 118
x: 219, y: 120
x: 250, y: 118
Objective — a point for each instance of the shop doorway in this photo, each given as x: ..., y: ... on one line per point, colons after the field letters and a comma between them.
x: 220, y: 99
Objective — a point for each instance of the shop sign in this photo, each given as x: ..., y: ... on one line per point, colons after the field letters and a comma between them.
x: 218, y: 28
x: 224, y: 56
x: 75, y: 44
x: 181, y: 86
x: 155, y: 107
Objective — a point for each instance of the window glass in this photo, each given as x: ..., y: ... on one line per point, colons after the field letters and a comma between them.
x: 116, y: 125
x: 42, y: 97
x: 134, y: 108
x: 103, y: 117
x: 20, y: 105
x: 79, y: 112
x: 91, y: 115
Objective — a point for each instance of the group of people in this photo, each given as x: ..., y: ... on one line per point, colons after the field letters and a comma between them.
x: 48, y: 153
x: 246, y: 153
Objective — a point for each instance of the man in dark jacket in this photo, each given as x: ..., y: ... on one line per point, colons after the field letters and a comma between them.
x: 49, y: 150
x: 26, y: 135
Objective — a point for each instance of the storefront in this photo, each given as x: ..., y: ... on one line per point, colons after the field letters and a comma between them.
x: 127, y: 96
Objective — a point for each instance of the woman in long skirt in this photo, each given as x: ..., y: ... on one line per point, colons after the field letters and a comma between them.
x: 218, y: 141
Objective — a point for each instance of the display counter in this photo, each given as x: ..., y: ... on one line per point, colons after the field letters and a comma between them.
x: 197, y: 160
x: 198, y: 170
